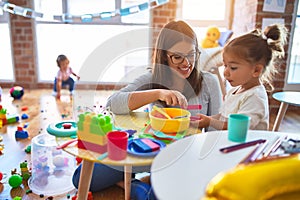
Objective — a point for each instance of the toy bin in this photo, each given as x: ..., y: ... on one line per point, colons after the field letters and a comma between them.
x: 52, y: 169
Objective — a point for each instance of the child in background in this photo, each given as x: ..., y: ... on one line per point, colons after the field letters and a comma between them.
x: 249, y: 64
x: 63, y: 77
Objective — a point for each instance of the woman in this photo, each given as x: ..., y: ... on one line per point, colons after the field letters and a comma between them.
x: 173, y: 81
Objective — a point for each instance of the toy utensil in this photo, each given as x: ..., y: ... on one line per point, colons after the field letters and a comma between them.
x: 179, y: 117
x: 162, y: 135
x: 161, y: 111
x: 64, y: 145
x: 194, y: 107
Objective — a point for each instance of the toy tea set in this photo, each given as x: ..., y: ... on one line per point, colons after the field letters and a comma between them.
x: 92, y: 129
x: 52, y: 168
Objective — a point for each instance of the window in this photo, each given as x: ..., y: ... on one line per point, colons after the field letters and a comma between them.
x: 78, y: 28
x: 199, y: 14
x: 293, y: 72
x: 6, y: 65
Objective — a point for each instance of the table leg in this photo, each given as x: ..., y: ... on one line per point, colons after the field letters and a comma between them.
x: 282, y: 109
x: 85, y: 179
x: 127, y: 180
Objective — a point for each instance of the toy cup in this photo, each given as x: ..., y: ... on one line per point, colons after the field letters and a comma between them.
x: 238, y: 125
x: 117, y: 142
x: 52, y: 169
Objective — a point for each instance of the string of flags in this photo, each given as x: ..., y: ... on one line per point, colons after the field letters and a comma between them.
x: 66, y: 17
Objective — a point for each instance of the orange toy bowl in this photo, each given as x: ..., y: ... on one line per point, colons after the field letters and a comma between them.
x: 180, y: 120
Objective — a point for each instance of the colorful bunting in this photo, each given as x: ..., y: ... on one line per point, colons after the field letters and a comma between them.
x: 66, y: 17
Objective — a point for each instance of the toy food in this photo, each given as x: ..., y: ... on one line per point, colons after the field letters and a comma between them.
x: 260, y: 180
x: 211, y: 39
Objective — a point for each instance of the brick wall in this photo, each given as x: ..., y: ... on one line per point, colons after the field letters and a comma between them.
x: 23, y: 43
x: 161, y: 15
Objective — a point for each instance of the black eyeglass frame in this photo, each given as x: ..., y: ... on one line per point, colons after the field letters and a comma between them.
x: 195, y: 55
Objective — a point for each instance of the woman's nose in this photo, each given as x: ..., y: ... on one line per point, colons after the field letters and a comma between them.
x: 186, y: 61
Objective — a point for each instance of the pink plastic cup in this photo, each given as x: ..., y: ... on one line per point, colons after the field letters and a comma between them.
x: 117, y: 142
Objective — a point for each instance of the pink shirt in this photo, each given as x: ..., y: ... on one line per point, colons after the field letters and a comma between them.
x: 64, y: 75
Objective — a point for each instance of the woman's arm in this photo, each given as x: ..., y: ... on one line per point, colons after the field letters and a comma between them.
x: 138, y: 99
x: 132, y: 97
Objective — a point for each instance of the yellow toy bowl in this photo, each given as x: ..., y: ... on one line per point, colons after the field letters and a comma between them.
x: 180, y: 120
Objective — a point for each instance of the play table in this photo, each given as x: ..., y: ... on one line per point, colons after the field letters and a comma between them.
x: 134, y: 120
x: 286, y: 98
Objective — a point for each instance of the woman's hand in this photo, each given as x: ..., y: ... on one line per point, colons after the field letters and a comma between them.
x: 173, y: 98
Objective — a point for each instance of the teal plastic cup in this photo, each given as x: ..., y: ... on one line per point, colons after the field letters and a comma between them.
x: 238, y: 125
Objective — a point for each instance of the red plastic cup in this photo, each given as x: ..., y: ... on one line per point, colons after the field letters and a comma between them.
x: 117, y: 142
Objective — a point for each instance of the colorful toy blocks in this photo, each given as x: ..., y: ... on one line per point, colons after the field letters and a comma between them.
x: 21, y: 133
x: 7, y: 119
x: 92, y: 129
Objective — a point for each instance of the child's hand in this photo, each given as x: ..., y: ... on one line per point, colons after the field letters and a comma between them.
x: 203, y: 121
x: 78, y: 77
x: 58, y: 96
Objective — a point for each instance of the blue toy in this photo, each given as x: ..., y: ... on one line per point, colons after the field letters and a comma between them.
x: 63, y: 129
x: 20, y: 133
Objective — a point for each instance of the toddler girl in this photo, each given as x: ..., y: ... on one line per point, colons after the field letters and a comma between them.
x: 249, y: 64
x: 63, y: 77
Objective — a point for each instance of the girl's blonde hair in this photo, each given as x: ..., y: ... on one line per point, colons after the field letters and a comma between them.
x: 259, y: 47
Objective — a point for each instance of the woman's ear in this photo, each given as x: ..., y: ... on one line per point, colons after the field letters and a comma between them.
x: 258, y: 70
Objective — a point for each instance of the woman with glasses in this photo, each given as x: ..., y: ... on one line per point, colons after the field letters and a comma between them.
x: 173, y: 80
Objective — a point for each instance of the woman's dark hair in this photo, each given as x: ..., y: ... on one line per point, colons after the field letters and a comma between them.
x: 171, y: 34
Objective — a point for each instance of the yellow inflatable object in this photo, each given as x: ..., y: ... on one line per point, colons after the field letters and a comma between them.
x: 262, y: 180
x: 212, y: 36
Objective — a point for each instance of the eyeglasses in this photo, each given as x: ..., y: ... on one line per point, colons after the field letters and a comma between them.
x: 179, y: 58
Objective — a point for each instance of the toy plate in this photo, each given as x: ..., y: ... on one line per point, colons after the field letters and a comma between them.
x: 58, y: 130
x: 132, y: 151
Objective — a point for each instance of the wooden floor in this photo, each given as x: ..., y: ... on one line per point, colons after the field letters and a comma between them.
x: 42, y: 110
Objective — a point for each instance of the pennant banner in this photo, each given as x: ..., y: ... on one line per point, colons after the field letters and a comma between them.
x: 66, y: 17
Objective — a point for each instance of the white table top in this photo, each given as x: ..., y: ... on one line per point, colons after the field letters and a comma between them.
x: 289, y: 97
x: 184, y: 168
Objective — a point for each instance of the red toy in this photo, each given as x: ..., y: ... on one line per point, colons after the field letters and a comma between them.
x: 90, y: 197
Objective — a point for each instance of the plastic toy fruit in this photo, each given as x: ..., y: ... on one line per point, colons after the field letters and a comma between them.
x: 260, y: 180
